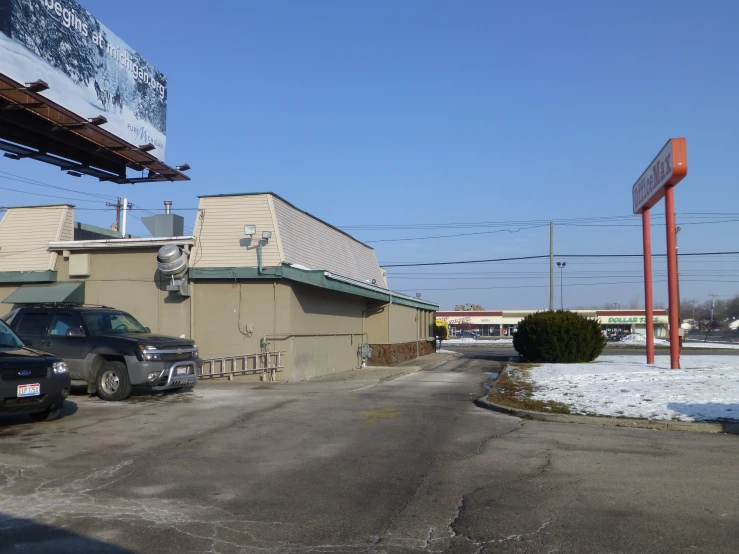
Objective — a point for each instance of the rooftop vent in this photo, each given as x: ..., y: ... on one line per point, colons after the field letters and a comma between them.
x: 166, y: 224
x: 172, y: 262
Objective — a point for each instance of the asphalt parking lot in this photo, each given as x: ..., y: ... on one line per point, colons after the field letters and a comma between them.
x: 359, y: 462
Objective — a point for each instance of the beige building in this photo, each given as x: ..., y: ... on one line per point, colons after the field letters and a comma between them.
x: 505, y: 322
x: 260, y: 282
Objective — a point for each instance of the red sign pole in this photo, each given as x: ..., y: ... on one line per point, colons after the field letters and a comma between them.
x: 648, y: 303
x: 672, y: 276
x: 658, y: 181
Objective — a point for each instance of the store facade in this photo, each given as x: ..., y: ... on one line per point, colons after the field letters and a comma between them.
x: 504, y: 323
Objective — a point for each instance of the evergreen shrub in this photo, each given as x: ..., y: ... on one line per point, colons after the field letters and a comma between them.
x: 559, y: 337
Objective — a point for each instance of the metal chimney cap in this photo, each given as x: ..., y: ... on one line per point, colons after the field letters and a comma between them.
x: 167, y: 206
x: 168, y: 253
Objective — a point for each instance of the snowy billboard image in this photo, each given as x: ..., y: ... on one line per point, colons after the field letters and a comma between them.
x: 89, y: 70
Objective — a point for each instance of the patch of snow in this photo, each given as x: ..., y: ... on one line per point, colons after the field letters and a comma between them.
x: 641, y: 340
x: 442, y: 351
x: 712, y: 345
x: 705, y: 389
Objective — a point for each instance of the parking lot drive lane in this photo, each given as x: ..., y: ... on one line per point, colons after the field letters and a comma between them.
x: 357, y: 465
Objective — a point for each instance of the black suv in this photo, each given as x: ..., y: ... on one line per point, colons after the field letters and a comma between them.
x: 107, y: 348
x: 31, y: 382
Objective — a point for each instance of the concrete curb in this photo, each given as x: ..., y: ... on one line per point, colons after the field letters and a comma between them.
x: 693, y: 427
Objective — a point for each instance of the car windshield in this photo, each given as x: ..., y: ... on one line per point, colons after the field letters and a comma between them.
x: 8, y: 339
x: 104, y: 323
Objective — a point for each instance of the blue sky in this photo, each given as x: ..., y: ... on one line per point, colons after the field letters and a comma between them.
x: 424, y: 112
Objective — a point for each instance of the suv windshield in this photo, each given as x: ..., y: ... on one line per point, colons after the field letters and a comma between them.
x: 103, y: 323
x: 8, y: 339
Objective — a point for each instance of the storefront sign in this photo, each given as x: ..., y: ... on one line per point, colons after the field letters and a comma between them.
x: 630, y: 320
x: 668, y: 168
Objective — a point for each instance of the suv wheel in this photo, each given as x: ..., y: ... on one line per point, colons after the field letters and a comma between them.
x: 113, y: 382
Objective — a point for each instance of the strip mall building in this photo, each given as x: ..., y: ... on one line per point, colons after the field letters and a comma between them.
x: 504, y: 323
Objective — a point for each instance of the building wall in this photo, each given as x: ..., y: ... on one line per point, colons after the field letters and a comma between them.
x: 220, y: 230
x: 326, y: 332
x: 230, y: 317
x: 403, y: 324
x: 129, y: 281
x: 377, y: 323
x: 320, y: 332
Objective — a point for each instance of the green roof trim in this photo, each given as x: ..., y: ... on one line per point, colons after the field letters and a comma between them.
x: 27, y: 276
x: 316, y: 278
x: 68, y: 292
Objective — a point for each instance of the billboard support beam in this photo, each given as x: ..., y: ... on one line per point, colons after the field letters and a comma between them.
x: 649, y: 303
x: 30, y: 126
x: 658, y: 181
x: 672, y: 278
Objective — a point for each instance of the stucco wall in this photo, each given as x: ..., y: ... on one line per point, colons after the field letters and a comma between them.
x: 129, y: 281
x: 320, y: 332
x: 327, y: 332
x: 403, y: 324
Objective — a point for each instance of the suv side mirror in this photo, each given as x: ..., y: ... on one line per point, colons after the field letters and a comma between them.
x: 75, y: 332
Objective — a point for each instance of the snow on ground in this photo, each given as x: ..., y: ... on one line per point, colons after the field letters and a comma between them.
x: 641, y: 340
x: 442, y: 351
x: 466, y: 341
x: 637, y: 339
x: 713, y: 345
x: 705, y: 389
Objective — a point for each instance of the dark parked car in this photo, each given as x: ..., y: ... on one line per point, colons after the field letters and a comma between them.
x: 31, y: 382
x: 107, y: 348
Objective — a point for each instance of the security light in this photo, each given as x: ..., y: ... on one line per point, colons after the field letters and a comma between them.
x: 266, y: 235
x: 250, y: 230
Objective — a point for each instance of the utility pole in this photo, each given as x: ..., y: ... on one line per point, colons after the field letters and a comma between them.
x: 551, y: 266
x: 713, y: 305
x: 118, y: 207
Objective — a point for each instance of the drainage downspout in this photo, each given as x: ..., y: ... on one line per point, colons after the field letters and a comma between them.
x: 259, y: 258
x: 418, y: 351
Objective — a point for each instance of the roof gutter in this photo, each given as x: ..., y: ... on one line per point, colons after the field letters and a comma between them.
x: 119, y: 243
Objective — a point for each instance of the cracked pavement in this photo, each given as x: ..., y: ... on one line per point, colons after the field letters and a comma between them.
x: 356, y: 463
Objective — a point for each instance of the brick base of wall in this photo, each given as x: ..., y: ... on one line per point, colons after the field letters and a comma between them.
x: 391, y: 354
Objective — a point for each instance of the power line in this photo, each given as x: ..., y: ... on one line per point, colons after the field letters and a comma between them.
x: 20, y: 178
x: 460, y: 234
x: 51, y: 196
x: 566, y: 285
x: 558, y: 255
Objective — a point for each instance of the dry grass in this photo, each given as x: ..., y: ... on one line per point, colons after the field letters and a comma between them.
x: 514, y: 389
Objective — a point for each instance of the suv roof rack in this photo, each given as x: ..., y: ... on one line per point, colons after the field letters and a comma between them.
x: 66, y: 305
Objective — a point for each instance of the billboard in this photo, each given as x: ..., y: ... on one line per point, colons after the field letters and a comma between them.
x: 89, y: 70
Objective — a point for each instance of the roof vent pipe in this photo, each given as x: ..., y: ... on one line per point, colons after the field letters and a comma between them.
x: 167, y: 207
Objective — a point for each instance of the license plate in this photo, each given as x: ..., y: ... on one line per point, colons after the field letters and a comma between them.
x: 183, y: 370
x: 29, y: 390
